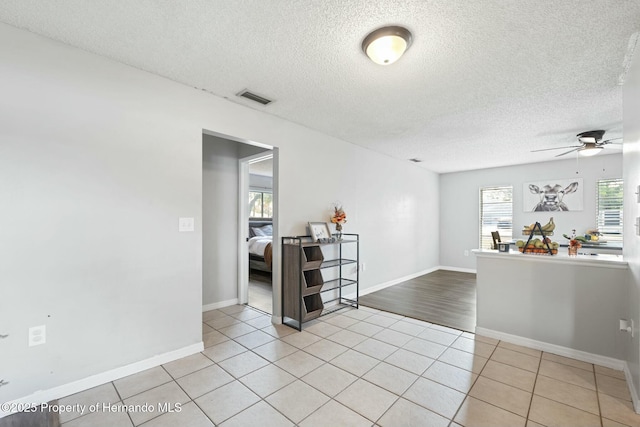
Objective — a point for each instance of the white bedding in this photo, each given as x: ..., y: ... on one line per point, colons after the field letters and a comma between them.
x: 257, y: 244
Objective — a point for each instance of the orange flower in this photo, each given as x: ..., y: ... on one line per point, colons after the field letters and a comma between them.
x: 339, y: 216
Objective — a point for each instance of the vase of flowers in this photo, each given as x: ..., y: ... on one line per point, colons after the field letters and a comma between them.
x: 338, y: 218
x: 574, y: 244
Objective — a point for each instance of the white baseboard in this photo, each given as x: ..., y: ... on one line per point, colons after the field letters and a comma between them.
x: 584, y: 356
x: 459, y: 269
x: 632, y: 388
x: 220, y: 304
x: 381, y: 286
x: 43, y: 396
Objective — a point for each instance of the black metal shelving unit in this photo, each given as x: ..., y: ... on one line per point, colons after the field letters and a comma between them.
x: 541, y: 233
x: 303, y: 285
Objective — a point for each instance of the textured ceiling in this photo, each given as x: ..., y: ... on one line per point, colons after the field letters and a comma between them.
x: 484, y: 82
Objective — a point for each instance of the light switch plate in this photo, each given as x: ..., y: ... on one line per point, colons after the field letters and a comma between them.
x: 37, y: 335
x: 186, y: 224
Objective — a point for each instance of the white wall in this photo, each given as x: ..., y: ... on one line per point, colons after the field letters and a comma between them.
x: 396, y: 214
x: 95, y: 171
x: 631, y: 95
x: 97, y: 163
x: 219, y: 219
x: 459, y: 201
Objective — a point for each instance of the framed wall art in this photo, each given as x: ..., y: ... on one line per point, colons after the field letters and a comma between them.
x: 319, y: 231
x: 553, y: 195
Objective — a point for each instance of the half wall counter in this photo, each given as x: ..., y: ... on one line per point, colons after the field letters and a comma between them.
x: 570, y: 306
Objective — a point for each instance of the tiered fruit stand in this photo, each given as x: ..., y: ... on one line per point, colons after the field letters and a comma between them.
x: 537, y: 230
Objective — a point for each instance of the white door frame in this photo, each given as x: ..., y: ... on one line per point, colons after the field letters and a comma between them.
x: 276, y: 317
x: 243, y: 220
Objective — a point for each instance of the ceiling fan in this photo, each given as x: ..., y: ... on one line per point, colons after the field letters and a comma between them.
x: 591, y: 144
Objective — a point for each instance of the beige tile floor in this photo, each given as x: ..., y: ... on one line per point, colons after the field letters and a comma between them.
x: 359, y: 368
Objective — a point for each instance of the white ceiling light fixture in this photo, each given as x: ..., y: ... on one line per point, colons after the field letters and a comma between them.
x: 386, y: 45
x: 590, y: 150
x: 590, y: 140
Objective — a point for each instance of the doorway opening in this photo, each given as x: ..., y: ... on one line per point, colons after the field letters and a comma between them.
x: 226, y: 225
x: 259, y: 205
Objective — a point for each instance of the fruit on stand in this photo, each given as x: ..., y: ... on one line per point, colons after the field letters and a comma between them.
x: 549, y: 227
x: 538, y: 246
x: 546, y: 229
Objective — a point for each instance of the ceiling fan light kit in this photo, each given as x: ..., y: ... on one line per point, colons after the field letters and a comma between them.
x: 590, y: 144
x: 590, y: 151
x: 386, y: 45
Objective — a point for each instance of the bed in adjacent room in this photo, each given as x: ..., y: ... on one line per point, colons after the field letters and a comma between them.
x: 260, y: 243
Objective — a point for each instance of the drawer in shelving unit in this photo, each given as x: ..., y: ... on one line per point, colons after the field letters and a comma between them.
x: 312, y: 281
x: 309, y: 281
x: 312, y: 307
x: 311, y: 257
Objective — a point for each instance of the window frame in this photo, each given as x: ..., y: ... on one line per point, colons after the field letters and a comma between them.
x: 262, y: 192
x: 501, y: 216
x: 603, y: 205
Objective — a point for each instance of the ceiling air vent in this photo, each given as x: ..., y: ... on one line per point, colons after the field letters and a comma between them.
x: 414, y: 160
x: 252, y: 96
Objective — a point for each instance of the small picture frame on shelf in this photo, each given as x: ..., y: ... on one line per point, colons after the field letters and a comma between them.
x: 320, y: 232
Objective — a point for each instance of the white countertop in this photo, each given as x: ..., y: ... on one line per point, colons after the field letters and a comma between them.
x: 588, y: 244
x: 600, y: 260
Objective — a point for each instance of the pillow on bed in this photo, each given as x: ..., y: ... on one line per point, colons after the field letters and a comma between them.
x: 265, y: 230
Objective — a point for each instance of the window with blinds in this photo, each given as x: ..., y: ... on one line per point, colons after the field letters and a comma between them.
x: 609, y: 205
x: 496, y: 214
x: 260, y: 205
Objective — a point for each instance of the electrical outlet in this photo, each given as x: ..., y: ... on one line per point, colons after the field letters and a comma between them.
x: 466, y: 252
x: 627, y: 326
x: 363, y: 266
x: 37, y: 335
x: 186, y: 224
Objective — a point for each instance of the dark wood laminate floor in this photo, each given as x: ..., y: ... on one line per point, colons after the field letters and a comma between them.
x: 443, y: 297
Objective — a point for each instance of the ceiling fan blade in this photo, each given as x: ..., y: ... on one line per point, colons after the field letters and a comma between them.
x: 557, y: 148
x: 609, y: 141
x: 570, y: 151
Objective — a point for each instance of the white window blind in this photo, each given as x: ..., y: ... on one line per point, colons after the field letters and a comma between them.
x: 496, y: 214
x: 609, y: 203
